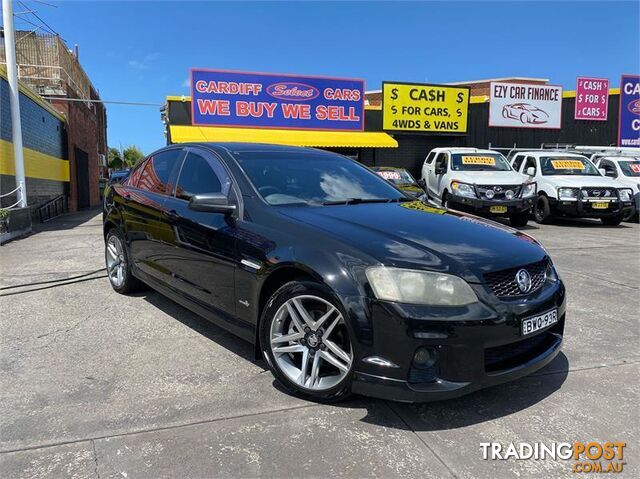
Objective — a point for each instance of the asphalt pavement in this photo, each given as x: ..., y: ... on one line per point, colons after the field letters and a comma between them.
x: 95, y: 384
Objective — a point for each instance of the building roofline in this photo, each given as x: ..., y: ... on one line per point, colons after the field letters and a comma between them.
x: 473, y: 82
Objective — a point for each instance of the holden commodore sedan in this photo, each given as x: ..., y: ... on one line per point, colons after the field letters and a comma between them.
x: 343, y: 283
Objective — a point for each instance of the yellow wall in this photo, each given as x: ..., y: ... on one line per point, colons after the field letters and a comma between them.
x: 36, y: 164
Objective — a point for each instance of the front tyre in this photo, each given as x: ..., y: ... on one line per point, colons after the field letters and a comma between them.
x: 520, y: 219
x: 612, y: 220
x: 305, y: 341
x: 118, y: 264
x: 542, y: 210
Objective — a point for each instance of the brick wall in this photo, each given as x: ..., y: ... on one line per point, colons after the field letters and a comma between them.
x: 86, y: 131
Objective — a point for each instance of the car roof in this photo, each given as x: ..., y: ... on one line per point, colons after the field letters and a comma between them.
x: 460, y: 149
x: 538, y: 153
x: 619, y: 158
x: 241, y: 147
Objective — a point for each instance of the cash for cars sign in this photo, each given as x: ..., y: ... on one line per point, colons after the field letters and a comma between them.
x: 592, y: 99
x: 262, y: 100
x: 629, y: 121
x: 525, y: 105
x: 419, y: 107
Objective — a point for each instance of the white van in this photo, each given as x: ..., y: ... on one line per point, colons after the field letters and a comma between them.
x: 478, y: 181
x: 572, y: 186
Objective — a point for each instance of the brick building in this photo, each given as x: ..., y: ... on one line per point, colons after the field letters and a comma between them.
x: 52, y: 72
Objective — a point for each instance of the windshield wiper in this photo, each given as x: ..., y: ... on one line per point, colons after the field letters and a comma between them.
x: 355, y: 201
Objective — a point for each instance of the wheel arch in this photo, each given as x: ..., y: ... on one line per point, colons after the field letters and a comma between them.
x: 275, y: 280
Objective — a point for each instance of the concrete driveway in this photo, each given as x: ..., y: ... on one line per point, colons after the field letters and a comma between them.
x: 94, y: 384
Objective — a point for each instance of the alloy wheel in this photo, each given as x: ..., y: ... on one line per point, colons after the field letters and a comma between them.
x: 116, y: 261
x: 310, y: 344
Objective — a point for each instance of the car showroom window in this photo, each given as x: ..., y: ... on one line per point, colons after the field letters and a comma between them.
x: 156, y: 173
x: 199, y: 175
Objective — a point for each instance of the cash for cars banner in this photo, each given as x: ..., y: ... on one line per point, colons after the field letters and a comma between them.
x: 592, y: 99
x: 525, y: 105
x: 420, y: 107
x: 629, y: 121
x: 262, y: 100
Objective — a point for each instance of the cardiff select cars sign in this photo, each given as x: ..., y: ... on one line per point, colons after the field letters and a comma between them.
x: 419, y: 107
x: 525, y: 105
x: 265, y: 100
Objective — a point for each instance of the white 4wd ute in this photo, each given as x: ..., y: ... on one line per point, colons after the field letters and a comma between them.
x: 570, y: 185
x: 478, y: 181
x: 625, y: 170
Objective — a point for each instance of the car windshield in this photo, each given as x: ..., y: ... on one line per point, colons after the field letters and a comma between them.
x: 630, y: 167
x: 567, y: 165
x: 314, y: 178
x: 479, y: 162
x: 397, y: 177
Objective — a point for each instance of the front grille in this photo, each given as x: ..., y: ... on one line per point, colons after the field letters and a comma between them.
x: 498, y: 190
x: 503, y: 283
x: 603, y: 193
x: 507, y: 356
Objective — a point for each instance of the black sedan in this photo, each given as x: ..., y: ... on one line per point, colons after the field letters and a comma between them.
x: 342, y: 282
x: 401, y: 178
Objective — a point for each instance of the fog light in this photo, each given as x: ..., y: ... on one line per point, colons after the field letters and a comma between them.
x: 489, y: 194
x: 509, y: 194
x: 425, y: 357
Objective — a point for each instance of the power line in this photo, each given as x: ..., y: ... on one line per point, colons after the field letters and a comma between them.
x: 38, y: 17
x: 117, y: 102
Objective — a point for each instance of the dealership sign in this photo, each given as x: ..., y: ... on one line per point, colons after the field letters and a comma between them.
x: 264, y: 100
x: 629, y: 123
x: 419, y: 107
x: 525, y: 105
x: 592, y: 99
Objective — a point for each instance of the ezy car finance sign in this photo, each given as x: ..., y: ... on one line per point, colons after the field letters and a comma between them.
x: 525, y: 105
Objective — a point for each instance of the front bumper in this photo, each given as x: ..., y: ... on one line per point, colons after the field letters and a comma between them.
x: 478, y: 206
x: 478, y: 346
x: 585, y: 208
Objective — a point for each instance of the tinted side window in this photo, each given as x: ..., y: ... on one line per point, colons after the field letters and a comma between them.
x: 156, y: 173
x: 199, y: 176
x: 517, y: 162
x: 430, y: 157
x: 442, y: 160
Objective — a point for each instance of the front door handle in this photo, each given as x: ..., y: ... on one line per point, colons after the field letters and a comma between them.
x: 172, y: 215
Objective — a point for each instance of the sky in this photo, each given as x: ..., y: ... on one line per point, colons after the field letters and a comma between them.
x: 142, y: 51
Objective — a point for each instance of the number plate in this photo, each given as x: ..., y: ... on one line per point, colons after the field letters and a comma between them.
x: 600, y: 206
x: 498, y: 209
x: 536, y: 323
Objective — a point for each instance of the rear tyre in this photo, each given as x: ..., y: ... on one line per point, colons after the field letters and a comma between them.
x: 612, y: 220
x: 519, y: 219
x: 305, y: 341
x: 542, y: 211
x: 118, y: 264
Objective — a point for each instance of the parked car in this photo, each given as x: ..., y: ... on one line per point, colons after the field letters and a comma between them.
x: 342, y: 282
x: 570, y: 185
x: 478, y: 181
x: 626, y: 171
x: 401, y: 178
x: 118, y: 175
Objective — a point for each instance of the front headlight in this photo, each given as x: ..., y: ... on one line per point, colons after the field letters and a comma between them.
x: 567, y: 194
x: 625, y: 194
x: 462, y: 189
x: 419, y: 287
x: 528, y: 190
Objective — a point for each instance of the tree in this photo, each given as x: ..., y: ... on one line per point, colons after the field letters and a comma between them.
x: 127, y: 158
x: 115, y: 159
x: 132, y: 155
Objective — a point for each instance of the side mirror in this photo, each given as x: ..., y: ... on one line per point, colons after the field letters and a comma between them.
x: 440, y: 170
x: 531, y: 171
x: 211, y: 203
x: 602, y: 171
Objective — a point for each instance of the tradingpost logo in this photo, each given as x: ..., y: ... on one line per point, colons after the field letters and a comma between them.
x: 584, y: 457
